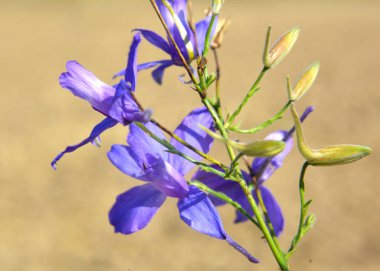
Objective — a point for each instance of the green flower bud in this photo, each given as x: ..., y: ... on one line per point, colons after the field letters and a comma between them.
x: 261, y: 148
x: 217, y: 6
x: 280, y: 48
x: 304, y: 83
x: 329, y: 155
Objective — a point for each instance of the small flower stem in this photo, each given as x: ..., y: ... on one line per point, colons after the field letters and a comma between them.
x: 304, y: 204
x: 184, y: 62
x: 250, y: 93
x: 217, y: 83
x: 223, y: 197
x: 180, y: 140
x: 208, y: 35
x: 187, y: 145
x: 264, y: 124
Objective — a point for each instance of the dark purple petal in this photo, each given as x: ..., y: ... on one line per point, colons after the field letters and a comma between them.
x: 197, y: 211
x: 165, y: 178
x: 134, y: 209
x: 217, y: 183
x: 263, y: 168
x: 274, y: 210
x: 98, y: 129
x: 124, y: 109
x: 158, y: 72
x: 142, y: 144
x: 201, y: 29
x: 190, y: 131
x: 155, y: 39
x: 87, y: 86
x: 131, y: 70
x: 126, y: 160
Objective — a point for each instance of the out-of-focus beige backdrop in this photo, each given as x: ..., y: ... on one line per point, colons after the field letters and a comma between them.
x: 58, y: 220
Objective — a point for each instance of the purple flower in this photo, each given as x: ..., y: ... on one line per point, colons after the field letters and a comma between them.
x: 163, y: 174
x: 116, y: 102
x: 261, y: 170
x: 182, y: 34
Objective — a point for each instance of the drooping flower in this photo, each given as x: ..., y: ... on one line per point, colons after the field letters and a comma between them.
x: 115, y: 102
x: 179, y: 27
x: 163, y: 174
x: 261, y: 170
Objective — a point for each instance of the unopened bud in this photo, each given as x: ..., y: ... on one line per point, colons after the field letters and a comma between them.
x: 304, y: 83
x: 217, y: 6
x: 280, y: 48
x: 261, y: 148
x: 330, y: 155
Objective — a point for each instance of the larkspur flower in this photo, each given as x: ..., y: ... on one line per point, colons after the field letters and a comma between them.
x: 164, y: 172
x: 261, y: 170
x: 183, y: 36
x: 115, y: 102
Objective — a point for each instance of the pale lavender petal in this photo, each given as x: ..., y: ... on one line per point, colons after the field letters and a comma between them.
x: 87, y: 86
x: 155, y: 39
x: 197, y: 211
x: 124, y: 109
x: 134, y: 209
x: 142, y: 144
x: 217, y: 183
x: 98, y: 129
x: 190, y: 131
x: 131, y: 70
x: 126, y: 160
x: 158, y: 73
x: 164, y: 177
x: 274, y: 210
x: 165, y: 13
x: 263, y: 168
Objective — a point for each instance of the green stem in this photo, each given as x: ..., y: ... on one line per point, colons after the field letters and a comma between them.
x: 270, y: 225
x: 208, y: 35
x: 275, y: 250
x: 260, y: 220
x: 264, y: 124
x: 303, y: 211
x: 250, y: 93
x: 223, y: 197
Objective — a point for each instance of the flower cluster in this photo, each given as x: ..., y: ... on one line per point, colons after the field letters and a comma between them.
x: 164, y: 164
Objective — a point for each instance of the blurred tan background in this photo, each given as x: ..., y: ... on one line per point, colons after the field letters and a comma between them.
x: 58, y: 220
